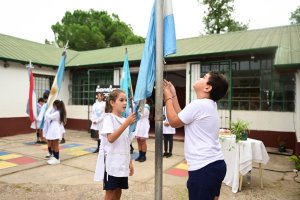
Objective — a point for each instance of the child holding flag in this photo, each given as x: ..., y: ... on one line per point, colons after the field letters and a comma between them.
x: 206, y: 165
x: 118, y: 164
x: 54, y: 129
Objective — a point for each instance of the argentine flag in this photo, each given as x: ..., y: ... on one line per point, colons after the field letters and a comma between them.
x: 146, y: 76
x: 57, y: 83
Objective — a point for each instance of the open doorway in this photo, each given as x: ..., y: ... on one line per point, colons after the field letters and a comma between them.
x: 178, y: 78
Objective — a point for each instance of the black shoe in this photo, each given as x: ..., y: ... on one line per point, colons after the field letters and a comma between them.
x: 38, y: 142
x: 62, y: 141
x: 142, y: 159
x: 131, y: 149
x: 43, y: 142
x: 169, y: 155
x: 96, y: 151
x: 138, y: 158
x: 165, y: 154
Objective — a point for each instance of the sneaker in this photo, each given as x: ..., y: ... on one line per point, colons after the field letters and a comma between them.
x: 165, y: 154
x: 62, y: 141
x: 48, y: 156
x: 53, y: 161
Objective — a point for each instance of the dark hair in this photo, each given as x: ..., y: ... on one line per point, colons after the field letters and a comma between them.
x: 46, y: 94
x: 219, y: 85
x: 60, y: 106
x: 101, y: 94
x: 41, y: 99
x: 113, y: 95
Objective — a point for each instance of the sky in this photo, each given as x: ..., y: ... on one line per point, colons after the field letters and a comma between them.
x: 32, y: 19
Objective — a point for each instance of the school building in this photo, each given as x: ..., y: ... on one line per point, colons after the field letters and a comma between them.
x: 263, y: 67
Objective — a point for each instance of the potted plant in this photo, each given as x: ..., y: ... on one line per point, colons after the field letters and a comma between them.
x: 296, y: 159
x: 240, y: 128
x: 281, y: 145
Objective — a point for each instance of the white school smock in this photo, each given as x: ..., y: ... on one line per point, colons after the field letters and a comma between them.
x: 100, y: 165
x: 117, y: 153
x: 143, y: 125
x: 201, y: 144
x: 97, y: 115
x: 53, y: 128
x: 36, y: 123
x: 167, y: 129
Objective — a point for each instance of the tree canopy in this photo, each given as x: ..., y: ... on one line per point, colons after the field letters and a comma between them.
x: 88, y: 30
x: 218, y: 18
x: 295, y: 16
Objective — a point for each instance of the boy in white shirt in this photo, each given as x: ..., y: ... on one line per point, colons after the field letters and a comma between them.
x: 200, y: 119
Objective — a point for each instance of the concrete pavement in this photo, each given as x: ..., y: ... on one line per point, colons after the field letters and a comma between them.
x: 22, y: 162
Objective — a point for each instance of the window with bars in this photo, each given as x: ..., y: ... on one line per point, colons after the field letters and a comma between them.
x: 42, y: 83
x: 256, y: 85
x: 84, y: 84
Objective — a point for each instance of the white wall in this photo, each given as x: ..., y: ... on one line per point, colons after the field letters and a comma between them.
x: 14, y: 83
x: 77, y: 112
x: 267, y: 120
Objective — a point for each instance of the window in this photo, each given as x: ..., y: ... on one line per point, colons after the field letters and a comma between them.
x: 84, y: 85
x: 42, y: 83
x: 256, y: 85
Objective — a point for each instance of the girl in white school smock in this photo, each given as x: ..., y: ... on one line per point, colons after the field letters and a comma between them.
x: 97, y: 117
x: 142, y: 133
x: 118, y: 164
x: 168, y: 132
x: 54, y: 129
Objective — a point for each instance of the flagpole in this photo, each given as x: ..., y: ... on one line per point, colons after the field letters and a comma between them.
x: 158, y: 100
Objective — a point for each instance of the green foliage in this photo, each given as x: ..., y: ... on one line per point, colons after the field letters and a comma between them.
x: 218, y: 19
x: 296, y: 159
x: 240, y: 129
x: 295, y: 16
x: 88, y: 30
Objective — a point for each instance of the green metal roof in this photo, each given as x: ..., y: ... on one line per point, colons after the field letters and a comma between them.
x: 285, y: 39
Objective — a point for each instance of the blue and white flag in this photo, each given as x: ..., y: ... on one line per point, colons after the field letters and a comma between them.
x: 146, y: 76
x: 57, y: 83
x: 126, y: 86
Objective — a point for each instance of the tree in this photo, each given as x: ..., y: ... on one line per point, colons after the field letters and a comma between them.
x: 88, y: 30
x: 295, y: 16
x: 218, y: 19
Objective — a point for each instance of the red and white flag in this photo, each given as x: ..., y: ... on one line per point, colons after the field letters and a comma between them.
x: 32, y: 109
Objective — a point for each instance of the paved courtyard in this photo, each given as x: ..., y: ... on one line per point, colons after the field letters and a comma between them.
x: 24, y: 174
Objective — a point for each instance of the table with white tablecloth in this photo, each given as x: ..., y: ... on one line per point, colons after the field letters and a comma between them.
x: 239, y: 158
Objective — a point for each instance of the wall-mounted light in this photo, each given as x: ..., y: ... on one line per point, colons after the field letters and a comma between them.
x: 252, y: 57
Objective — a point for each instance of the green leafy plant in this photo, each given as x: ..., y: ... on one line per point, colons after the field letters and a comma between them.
x: 296, y: 159
x: 240, y: 128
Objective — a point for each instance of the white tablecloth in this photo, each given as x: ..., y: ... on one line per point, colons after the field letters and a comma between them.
x: 239, y: 157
